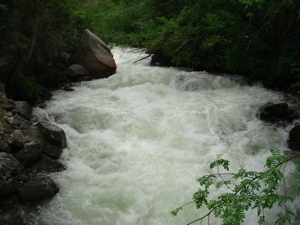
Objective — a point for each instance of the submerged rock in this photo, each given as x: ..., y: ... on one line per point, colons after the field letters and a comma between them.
x: 294, y: 138
x: 277, y: 112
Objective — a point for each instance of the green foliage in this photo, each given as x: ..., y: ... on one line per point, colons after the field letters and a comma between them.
x: 28, y: 89
x: 256, y: 38
x: 36, y: 36
x: 245, y: 190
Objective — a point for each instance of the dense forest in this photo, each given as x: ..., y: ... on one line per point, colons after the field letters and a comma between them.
x: 256, y: 38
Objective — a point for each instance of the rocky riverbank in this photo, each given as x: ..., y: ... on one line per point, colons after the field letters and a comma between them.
x: 28, y: 152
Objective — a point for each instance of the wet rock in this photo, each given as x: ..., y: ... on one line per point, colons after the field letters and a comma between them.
x: 47, y: 165
x: 21, y: 122
x: 30, y: 153
x: 6, y: 188
x: 95, y: 56
x: 24, y: 109
x: 4, y: 147
x: 53, y: 133
x: 13, y: 216
x: 76, y: 71
x: 9, y: 119
x: 18, y: 139
x: 277, y: 112
x: 21, y: 178
x: 36, y: 190
x: 52, y: 137
x: 9, y: 165
x: 8, y: 203
x: 294, y: 138
x: 68, y: 88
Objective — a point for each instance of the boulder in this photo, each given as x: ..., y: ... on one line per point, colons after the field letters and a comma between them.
x: 277, y: 112
x: 94, y: 55
x: 30, y: 153
x: 52, y: 137
x: 53, y: 134
x: 6, y: 188
x: 18, y: 139
x: 36, y: 190
x: 46, y: 164
x: 24, y: 109
x: 8, y: 203
x: 76, y: 72
x: 294, y: 138
x: 9, y: 165
x: 21, y: 122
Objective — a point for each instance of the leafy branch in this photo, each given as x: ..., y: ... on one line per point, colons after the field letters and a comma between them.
x: 246, y: 190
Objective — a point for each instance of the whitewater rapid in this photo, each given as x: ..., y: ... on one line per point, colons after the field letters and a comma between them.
x: 138, y: 140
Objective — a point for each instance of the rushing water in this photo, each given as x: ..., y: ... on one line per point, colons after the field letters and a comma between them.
x: 138, y: 140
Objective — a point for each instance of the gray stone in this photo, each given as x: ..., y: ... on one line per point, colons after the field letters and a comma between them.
x: 9, y: 164
x: 52, y: 137
x: 24, y: 109
x: 36, y: 190
x: 18, y: 139
x: 53, y: 134
x: 30, y: 153
x: 46, y: 164
x: 95, y: 56
x: 21, y: 122
x: 76, y: 71
x: 277, y: 112
x: 16, y: 216
x: 7, y: 204
x: 6, y: 188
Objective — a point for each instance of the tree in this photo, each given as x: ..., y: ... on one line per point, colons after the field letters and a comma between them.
x: 35, y: 37
x: 246, y: 190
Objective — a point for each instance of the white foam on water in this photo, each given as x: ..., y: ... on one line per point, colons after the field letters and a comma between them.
x: 138, y: 140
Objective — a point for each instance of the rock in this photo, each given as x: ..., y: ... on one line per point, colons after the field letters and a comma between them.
x: 8, y: 203
x: 18, y: 139
x: 4, y: 147
x: 36, y: 190
x: 21, y: 122
x: 30, y: 153
x: 294, y: 138
x: 53, y: 133
x: 24, y: 109
x: 6, y: 188
x: 14, y: 216
x: 21, y: 178
x: 47, y: 165
x: 277, y: 112
x: 95, y: 56
x: 52, y: 137
x: 9, y: 165
x: 75, y: 71
x: 68, y: 88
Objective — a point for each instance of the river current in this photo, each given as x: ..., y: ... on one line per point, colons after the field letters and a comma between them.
x: 138, y: 140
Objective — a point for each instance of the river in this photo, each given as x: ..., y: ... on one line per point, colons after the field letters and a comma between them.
x: 138, y: 140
